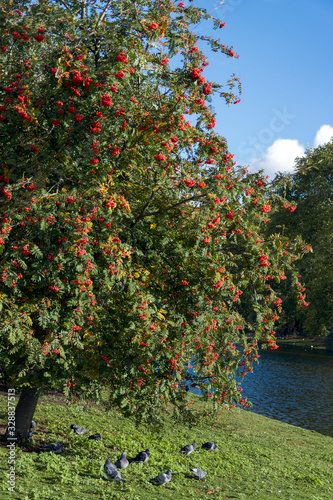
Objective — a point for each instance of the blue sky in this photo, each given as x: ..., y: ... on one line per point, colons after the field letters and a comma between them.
x: 285, y: 52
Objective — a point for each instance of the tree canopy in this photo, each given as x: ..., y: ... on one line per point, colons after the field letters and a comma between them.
x: 128, y: 238
x: 311, y: 188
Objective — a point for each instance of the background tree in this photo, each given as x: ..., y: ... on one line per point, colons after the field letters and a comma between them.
x: 127, y: 237
x: 328, y: 341
x: 311, y: 189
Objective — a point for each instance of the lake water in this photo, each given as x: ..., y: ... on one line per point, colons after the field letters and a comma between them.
x: 295, y: 386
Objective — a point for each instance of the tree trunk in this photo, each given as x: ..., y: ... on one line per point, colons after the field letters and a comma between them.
x: 24, y: 413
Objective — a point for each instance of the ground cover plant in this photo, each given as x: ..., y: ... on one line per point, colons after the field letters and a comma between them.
x: 257, y: 457
x: 130, y: 245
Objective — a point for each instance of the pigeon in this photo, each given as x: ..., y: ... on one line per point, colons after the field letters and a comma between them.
x: 54, y: 447
x: 112, y: 472
x: 33, y: 424
x: 210, y: 446
x: 162, y: 478
x: 122, y: 462
x: 188, y: 449
x: 141, y: 457
x: 198, y: 473
x: 96, y: 437
x: 29, y: 435
x: 79, y: 430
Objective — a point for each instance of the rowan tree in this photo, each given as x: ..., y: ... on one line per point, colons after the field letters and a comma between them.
x: 127, y: 235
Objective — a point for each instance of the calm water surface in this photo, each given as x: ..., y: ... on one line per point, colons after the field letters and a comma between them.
x: 295, y: 386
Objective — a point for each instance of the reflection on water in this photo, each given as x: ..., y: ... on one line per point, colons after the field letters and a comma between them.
x: 294, y: 386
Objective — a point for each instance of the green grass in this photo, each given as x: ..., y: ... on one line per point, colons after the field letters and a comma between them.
x: 258, y: 458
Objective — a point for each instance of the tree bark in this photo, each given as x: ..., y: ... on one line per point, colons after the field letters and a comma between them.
x: 24, y: 413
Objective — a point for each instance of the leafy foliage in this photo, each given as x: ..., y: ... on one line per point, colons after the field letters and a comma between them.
x: 127, y: 236
x: 311, y: 188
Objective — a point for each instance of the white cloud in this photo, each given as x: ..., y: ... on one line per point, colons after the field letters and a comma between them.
x: 324, y: 135
x: 279, y: 157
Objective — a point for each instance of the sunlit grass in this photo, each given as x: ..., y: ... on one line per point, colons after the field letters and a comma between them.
x: 257, y: 458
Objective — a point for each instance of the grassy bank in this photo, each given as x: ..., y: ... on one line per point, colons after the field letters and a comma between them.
x: 302, y: 342
x: 258, y: 458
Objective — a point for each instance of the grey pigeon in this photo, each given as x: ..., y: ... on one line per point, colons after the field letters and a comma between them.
x: 210, y: 446
x: 162, y: 478
x: 54, y: 447
x: 29, y: 435
x: 141, y: 457
x: 112, y: 472
x: 188, y: 449
x: 79, y: 430
x: 122, y: 462
x: 96, y: 437
x: 198, y: 473
x: 33, y: 424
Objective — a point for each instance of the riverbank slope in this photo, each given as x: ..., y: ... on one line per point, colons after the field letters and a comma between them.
x: 258, y: 458
x: 302, y: 342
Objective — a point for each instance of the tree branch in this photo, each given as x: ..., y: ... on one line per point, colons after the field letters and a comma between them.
x: 197, y: 197
x: 83, y: 11
x: 145, y: 206
x: 103, y: 14
x: 68, y: 7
